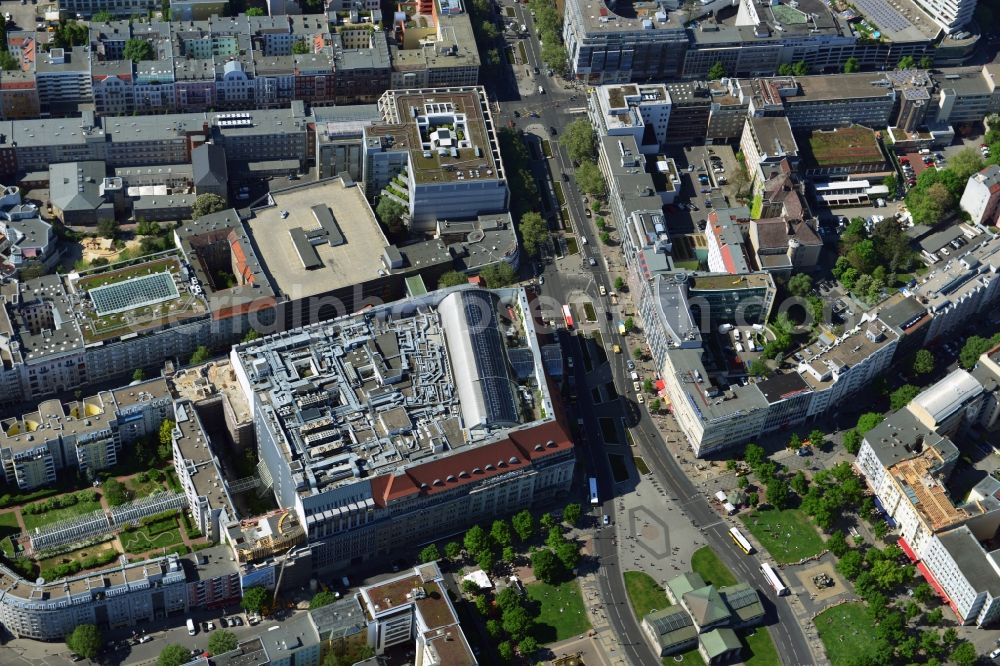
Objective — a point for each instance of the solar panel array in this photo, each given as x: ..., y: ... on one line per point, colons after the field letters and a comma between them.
x: 672, y: 622
x: 883, y: 15
x: 491, y: 359
x: 134, y: 293
x: 742, y: 598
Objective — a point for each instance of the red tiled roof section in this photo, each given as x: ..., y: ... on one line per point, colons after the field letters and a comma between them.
x: 518, y: 450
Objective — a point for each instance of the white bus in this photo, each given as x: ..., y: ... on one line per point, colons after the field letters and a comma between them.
x: 593, y: 491
x: 772, y: 577
x: 740, y: 540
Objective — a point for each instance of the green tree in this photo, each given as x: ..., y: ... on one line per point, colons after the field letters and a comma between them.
x: 86, y: 641
x: 70, y: 34
x: 507, y: 598
x: 777, y: 493
x: 255, y: 599
x: 590, y: 179
x: 837, y: 543
x: 867, y: 421
x: 322, y: 598
x: 200, y: 355
x: 206, y: 204
x: 851, y: 564
x: 517, y: 622
x: 138, y: 375
x: 498, y: 275
x: 500, y: 533
x: 923, y: 593
x: 794, y: 441
x: 430, y: 553
x: 571, y: 514
x: 391, y: 213
x: 934, y: 616
x: 254, y: 11
x: 891, y: 184
x: 654, y: 405
x: 754, y: 455
x: 250, y: 336
x: 547, y: 521
x: 451, y: 279
x: 926, y: 62
x: 222, y: 641
x: 101, y: 17
x: 482, y: 604
x: 173, y: 655
x: 488, y: 31
x: 8, y: 62
x: 817, y: 437
x: 799, y: 483
x: 545, y: 565
x: 852, y: 441
x: 964, y: 654
x: 301, y: 47
x: 923, y: 362
x: 580, y: 140
x: 716, y: 71
x: 115, y: 492
x: 107, y: 228
x: 800, y: 284
x: 138, y: 49
x: 906, y: 62
x: 534, y: 233
x: 629, y: 324
x: 974, y: 347
x: 949, y: 637
x: 851, y: 65
x: 524, y: 524
x: 476, y: 540
x: 506, y: 652
x: 758, y: 368
x: 452, y: 550
x: 568, y: 553
x: 494, y: 628
x: 528, y: 646
x: 902, y: 396
x: 605, y: 238
x: 470, y: 586
x: 619, y: 283
x: 507, y: 554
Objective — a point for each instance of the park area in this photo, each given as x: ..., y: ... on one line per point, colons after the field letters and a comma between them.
x: 644, y: 593
x: 61, y: 507
x: 162, y: 532
x: 787, y: 534
x: 561, y: 614
x: 845, y: 631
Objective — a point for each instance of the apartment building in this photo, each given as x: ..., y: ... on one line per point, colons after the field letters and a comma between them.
x: 124, y: 595
x: 62, y: 77
x: 727, y: 248
x: 453, y: 436
x: 87, y: 434
x: 636, y: 181
x: 436, y: 153
x: 982, y: 192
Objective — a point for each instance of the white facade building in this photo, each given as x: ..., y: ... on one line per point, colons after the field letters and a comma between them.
x: 981, y: 195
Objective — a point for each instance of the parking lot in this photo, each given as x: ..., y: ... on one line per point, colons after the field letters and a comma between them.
x: 706, y: 173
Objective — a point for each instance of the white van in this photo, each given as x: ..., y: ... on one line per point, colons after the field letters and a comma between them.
x: 191, y: 629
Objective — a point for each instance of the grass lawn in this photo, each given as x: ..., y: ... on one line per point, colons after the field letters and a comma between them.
x: 33, y: 520
x: 8, y: 524
x: 161, y: 534
x: 705, y: 562
x: 761, y: 647
x: 644, y: 593
x: 144, y: 488
x: 561, y: 613
x: 845, y: 630
x: 690, y: 265
x: 788, y: 534
x: 78, y: 555
x: 640, y: 465
x: 689, y: 658
x: 571, y: 246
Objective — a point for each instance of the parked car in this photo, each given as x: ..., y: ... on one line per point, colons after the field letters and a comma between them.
x: 592, y: 261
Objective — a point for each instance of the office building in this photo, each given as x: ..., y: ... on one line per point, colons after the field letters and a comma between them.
x: 982, y: 192
x: 636, y: 181
x: 436, y: 154
x: 845, y: 152
x: 641, y: 111
x: 405, y: 422
x: 727, y: 251
x: 414, y: 608
x: 769, y: 148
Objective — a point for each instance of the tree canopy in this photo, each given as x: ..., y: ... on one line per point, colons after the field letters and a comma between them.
x: 200, y: 355
x: 572, y: 513
x: 206, y: 204
x: 534, y: 233
x: 800, y: 284
x: 86, y: 640
x: 451, y: 279
x: 498, y: 275
x: 390, y: 212
x: 255, y: 599
x: 923, y: 362
x: 590, y: 179
x: 974, y: 347
x: 580, y: 140
x: 902, y: 396
x: 222, y: 641
x: 851, y: 65
x: 322, y: 598
x: 173, y: 655
x: 138, y: 49
x: 716, y: 71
